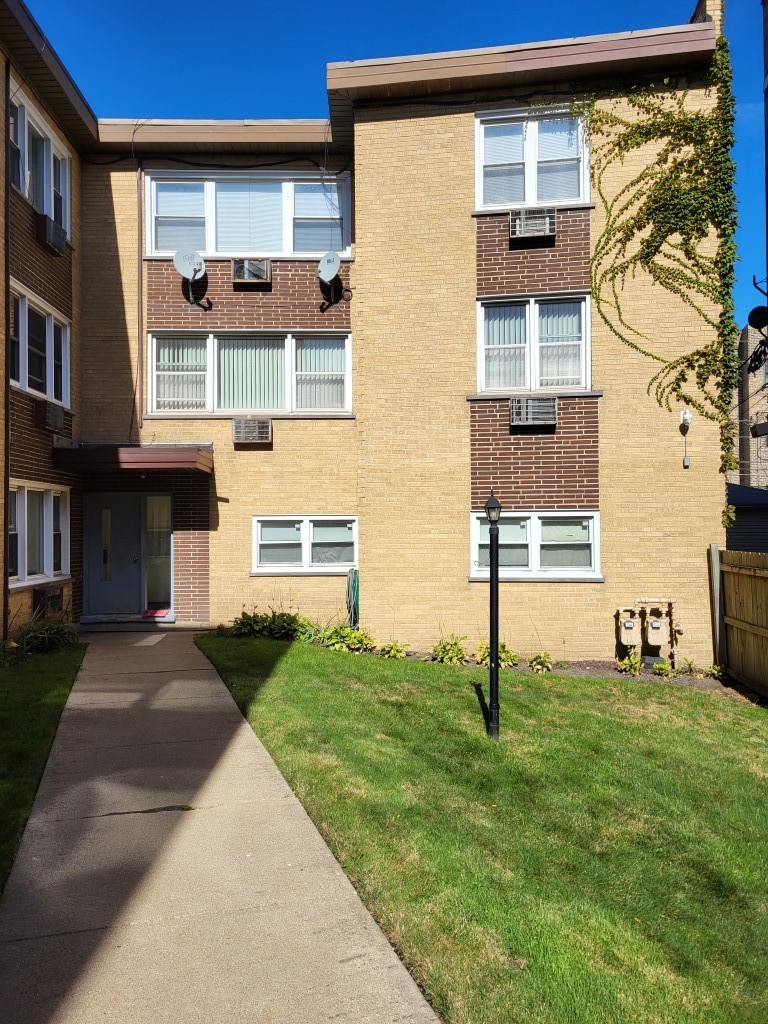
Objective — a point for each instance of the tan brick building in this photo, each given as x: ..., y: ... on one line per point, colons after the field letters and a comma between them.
x: 456, y: 190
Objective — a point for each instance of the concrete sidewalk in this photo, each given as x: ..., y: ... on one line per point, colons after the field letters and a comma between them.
x: 168, y: 874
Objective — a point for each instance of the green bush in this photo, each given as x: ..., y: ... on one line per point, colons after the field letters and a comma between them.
x: 541, y: 662
x: 507, y: 657
x: 348, y: 638
x: 450, y: 650
x: 664, y: 669
x: 393, y: 649
x: 632, y: 664
x: 41, y: 637
x: 277, y: 625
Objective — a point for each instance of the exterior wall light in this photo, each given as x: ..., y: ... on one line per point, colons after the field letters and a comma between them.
x: 686, y: 419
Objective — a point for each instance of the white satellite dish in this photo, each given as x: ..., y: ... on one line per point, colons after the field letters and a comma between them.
x: 190, y: 264
x: 328, y: 267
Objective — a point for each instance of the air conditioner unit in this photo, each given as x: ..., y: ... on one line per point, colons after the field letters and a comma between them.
x: 533, y: 412
x: 251, y: 271
x: 249, y: 430
x: 48, y: 600
x: 51, y: 234
x: 532, y: 223
x: 49, y: 416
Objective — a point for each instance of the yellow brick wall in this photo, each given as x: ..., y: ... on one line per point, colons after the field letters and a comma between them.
x: 415, y: 335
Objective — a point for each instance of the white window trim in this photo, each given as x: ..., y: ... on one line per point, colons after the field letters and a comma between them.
x: 212, y: 366
x: 54, y: 144
x: 528, y: 117
x: 532, y: 343
x: 535, y: 571
x: 26, y: 299
x: 306, y: 568
x: 22, y: 487
x: 209, y: 178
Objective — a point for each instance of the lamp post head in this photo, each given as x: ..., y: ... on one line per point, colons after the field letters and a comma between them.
x: 492, y: 509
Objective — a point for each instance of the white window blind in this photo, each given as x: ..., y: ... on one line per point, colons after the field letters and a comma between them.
x: 504, y: 164
x: 505, y: 346
x: 180, y: 215
x: 320, y: 373
x: 249, y: 216
x: 560, y: 343
x: 317, y: 225
x: 251, y: 373
x: 558, y: 171
x: 181, y: 372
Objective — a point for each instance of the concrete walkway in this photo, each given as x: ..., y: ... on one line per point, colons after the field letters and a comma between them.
x: 168, y: 874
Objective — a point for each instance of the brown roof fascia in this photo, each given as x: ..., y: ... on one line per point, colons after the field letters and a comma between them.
x: 41, y: 68
x: 112, y: 458
x: 158, y: 135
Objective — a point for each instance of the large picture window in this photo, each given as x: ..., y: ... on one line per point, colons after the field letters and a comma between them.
x: 39, y: 344
x: 533, y: 344
x: 228, y: 373
x: 39, y: 163
x: 38, y: 532
x: 539, y: 545
x: 530, y: 161
x: 248, y: 215
x: 304, y: 545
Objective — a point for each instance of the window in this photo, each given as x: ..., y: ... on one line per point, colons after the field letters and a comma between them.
x: 250, y: 373
x: 529, y: 162
x: 288, y: 545
x: 248, y: 215
x: 539, y: 545
x: 40, y: 166
x: 38, y: 532
x: 39, y: 348
x: 531, y: 344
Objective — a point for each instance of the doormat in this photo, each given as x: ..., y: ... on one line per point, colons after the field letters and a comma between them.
x: 157, y: 613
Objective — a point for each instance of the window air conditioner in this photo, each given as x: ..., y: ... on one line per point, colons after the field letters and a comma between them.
x: 251, y: 271
x: 532, y: 223
x: 51, y: 234
x: 49, y: 416
x: 533, y: 412
x: 248, y: 430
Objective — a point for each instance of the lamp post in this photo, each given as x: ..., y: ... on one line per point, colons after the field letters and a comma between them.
x: 492, y: 514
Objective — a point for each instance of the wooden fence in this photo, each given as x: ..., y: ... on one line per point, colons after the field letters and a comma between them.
x: 740, y: 614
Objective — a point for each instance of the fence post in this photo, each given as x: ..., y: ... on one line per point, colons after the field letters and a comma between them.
x: 716, y: 602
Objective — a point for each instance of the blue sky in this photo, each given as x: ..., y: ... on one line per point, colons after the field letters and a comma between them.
x: 149, y: 58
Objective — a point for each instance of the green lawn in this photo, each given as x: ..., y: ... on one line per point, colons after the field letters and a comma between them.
x: 32, y: 695
x: 605, y: 862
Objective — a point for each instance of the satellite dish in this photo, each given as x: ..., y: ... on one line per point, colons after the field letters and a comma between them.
x: 190, y: 264
x: 328, y: 267
x: 758, y: 318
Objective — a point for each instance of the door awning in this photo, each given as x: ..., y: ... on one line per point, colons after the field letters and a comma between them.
x: 108, y: 458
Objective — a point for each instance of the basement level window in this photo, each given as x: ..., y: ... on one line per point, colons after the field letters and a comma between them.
x: 539, y: 545
x: 304, y: 545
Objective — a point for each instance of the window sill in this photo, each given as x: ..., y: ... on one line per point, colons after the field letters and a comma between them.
x: 38, y: 583
x: 38, y: 396
x: 539, y: 579
x: 495, y: 211
x: 304, y: 257
x: 494, y: 396
x: 256, y: 413
x: 261, y: 573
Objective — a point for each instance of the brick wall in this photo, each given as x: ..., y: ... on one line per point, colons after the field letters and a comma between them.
x: 33, y: 265
x: 525, y: 267
x: 557, y: 470
x: 292, y: 300
x: 190, y: 502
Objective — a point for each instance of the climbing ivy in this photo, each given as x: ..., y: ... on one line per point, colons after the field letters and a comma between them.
x: 675, y: 222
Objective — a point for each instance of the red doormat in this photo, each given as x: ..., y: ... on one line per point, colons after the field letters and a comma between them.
x: 157, y: 613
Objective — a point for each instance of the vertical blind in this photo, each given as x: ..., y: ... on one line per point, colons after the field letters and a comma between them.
x: 180, y: 378
x: 249, y: 216
x: 505, y: 347
x: 251, y: 373
x: 320, y: 373
x: 560, y: 343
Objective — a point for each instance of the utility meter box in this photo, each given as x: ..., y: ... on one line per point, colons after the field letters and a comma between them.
x: 656, y: 630
x: 629, y: 629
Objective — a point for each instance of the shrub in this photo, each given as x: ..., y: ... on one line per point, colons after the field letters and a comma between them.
x: 507, y: 657
x: 348, y: 638
x: 393, y: 649
x: 450, y: 650
x: 664, y: 669
x: 541, y: 662
x: 719, y: 672
x: 277, y: 625
x: 42, y: 637
x: 689, y: 666
x: 308, y: 631
x: 632, y: 664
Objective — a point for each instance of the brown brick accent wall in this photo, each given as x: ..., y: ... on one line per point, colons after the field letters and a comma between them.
x: 292, y: 301
x: 556, y: 470
x: 32, y: 264
x: 190, y: 496
x: 564, y: 266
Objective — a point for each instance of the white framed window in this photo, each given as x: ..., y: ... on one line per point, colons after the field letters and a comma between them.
x: 231, y: 214
x: 539, y: 545
x: 39, y: 347
x: 238, y: 372
x: 533, y: 344
x: 304, y: 545
x: 525, y: 159
x: 39, y: 532
x: 40, y: 162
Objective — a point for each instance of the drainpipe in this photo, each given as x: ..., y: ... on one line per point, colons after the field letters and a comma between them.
x: 7, y: 389
x: 140, y: 292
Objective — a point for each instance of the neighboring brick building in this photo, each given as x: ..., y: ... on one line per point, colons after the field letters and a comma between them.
x: 752, y: 408
x: 395, y: 410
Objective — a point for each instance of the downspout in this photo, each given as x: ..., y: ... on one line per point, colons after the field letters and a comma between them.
x: 7, y: 386
x: 140, y: 291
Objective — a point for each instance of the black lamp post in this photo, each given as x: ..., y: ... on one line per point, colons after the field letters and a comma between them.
x: 492, y: 514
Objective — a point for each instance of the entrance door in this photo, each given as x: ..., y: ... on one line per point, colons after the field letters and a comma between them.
x: 113, y: 555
